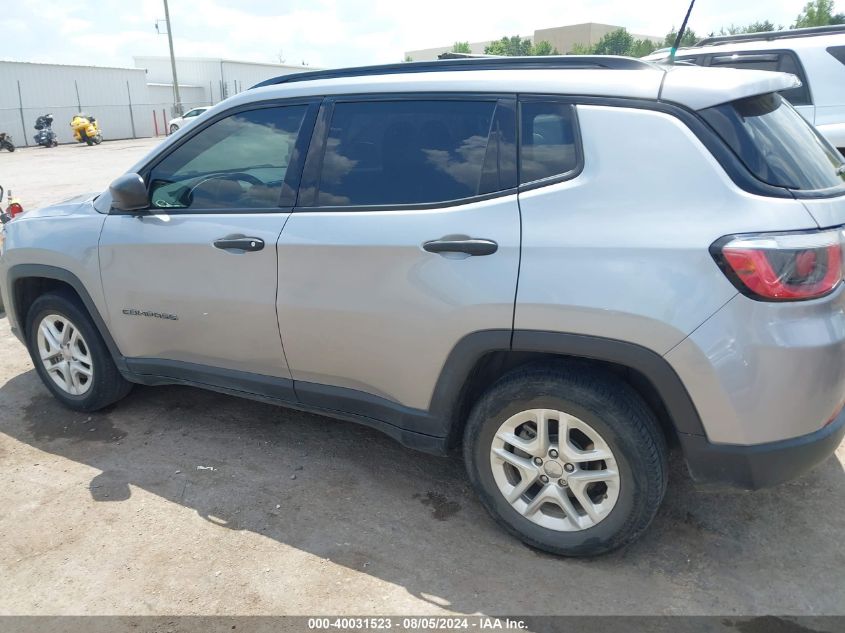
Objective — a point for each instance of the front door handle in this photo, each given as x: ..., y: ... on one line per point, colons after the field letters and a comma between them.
x: 240, y: 243
x: 469, y: 246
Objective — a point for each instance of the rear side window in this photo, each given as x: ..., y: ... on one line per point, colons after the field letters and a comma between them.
x: 776, y: 144
x: 782, y: 61
x: 412, y: 152
x: 548, y: 144
x: 838, y: 52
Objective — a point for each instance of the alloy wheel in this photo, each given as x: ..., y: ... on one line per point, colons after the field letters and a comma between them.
x: 65, y: 355
x: 555, y: 469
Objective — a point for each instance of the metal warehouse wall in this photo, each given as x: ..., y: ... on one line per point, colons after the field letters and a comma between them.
x: 220, y: 78
x: 30, y: 90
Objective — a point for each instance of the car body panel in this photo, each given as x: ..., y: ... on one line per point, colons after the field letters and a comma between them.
x: 224, y: 301
x: 586, y: 268
x: 363, y: 306
x: 761, y: 372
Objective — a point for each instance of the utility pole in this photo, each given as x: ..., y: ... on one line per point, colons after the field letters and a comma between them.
x: 178, y: 104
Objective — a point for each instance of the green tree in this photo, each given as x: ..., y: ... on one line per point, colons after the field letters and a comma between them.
x: 818, y: 13
x: 641, y: 48
x: 761, y: 27
x: 689, y: 38
x: 618, y: 42
x: 582, y: 49
x: 544, y: 48
x: 461, y: 47
x: 514, y: 45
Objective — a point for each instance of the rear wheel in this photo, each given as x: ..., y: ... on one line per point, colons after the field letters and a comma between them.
x: 568, y: 459
x: 70, y: 355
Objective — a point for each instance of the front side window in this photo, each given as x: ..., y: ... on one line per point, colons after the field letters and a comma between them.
x: 776, y: 144
x: 548, y: 143
x: 192, y: 113
x: 407, y: 152
x: 237, y: 162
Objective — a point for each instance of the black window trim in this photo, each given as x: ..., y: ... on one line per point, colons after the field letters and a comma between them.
x: 576, y: 129
x: 288, y: 189
x: 308, y: 186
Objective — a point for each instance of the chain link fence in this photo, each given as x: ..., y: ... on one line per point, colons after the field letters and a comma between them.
x: 135, y: 120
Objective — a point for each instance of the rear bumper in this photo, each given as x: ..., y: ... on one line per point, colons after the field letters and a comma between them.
x: 760, y: 465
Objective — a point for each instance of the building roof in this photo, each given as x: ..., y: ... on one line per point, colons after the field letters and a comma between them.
x: 220, y: 60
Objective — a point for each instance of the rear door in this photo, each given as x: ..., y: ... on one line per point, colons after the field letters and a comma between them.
x: 405, y: 239
x: 191, y: 284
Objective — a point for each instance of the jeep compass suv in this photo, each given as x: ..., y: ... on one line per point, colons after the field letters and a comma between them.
x: 560, y: 265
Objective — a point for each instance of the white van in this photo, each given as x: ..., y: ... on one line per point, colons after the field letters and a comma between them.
x: 815, y: 55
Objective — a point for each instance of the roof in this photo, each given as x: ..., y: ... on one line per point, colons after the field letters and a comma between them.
x: 691, y: 86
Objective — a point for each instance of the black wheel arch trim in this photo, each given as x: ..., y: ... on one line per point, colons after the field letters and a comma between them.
x: 42, y: 271
x: 469, y: 350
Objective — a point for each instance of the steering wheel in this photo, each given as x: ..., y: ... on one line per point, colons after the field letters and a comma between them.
x: 238, y: 175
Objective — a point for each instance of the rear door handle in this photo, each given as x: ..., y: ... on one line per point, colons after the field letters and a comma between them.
x: 239, y: 242
x: 470, y: 246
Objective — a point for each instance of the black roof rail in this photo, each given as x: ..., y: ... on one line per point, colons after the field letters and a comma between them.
x: 811, y: 31
x: 469, y: 63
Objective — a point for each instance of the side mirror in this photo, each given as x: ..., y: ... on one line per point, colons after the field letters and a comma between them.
x: 129, y: 193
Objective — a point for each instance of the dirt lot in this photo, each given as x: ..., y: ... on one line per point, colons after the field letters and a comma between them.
x: 179, y: 501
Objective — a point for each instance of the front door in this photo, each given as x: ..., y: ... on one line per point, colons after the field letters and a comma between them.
x: 405, y: 240
x: 191, y: 284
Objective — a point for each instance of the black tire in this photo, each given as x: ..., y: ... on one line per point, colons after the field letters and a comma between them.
x: 173, y: 128
x: 108, y: 386
x: 610, y: 407
x: 10, y: 147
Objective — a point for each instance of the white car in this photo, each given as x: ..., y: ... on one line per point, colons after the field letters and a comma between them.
x: 815, y: 55
x: 187, y: 118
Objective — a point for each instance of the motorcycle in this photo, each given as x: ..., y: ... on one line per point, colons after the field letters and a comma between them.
x: 6, y: 142
x: 85, y: 129
x: 46, y: 137
x: 12, y: 211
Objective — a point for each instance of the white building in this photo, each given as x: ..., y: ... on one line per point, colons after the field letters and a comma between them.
x: 209, y: 80
x: 127, y: 102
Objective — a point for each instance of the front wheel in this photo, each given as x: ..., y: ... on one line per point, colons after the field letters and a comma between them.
x: 173, y: 128
x: 98, y: 139
x: 9, y: 146
x: 568, y: 459
x: 70, y: 355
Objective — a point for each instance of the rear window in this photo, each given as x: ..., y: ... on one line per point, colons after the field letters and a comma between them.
x: 776, y: 144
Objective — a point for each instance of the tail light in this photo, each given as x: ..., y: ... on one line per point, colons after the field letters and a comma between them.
x: 14, y: 209
x: 783, y: 267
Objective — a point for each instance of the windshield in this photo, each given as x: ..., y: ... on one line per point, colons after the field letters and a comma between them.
x: 776, y: 143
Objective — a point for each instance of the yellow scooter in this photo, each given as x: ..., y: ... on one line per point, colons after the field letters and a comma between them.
x: 85, y: 129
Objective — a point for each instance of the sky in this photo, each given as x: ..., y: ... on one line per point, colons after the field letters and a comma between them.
x: 329, y: 33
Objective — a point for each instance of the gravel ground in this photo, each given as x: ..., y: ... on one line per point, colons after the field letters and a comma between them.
x: 180, y: 501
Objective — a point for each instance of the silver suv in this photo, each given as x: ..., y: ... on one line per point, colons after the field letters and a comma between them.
x: 562, y: 266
